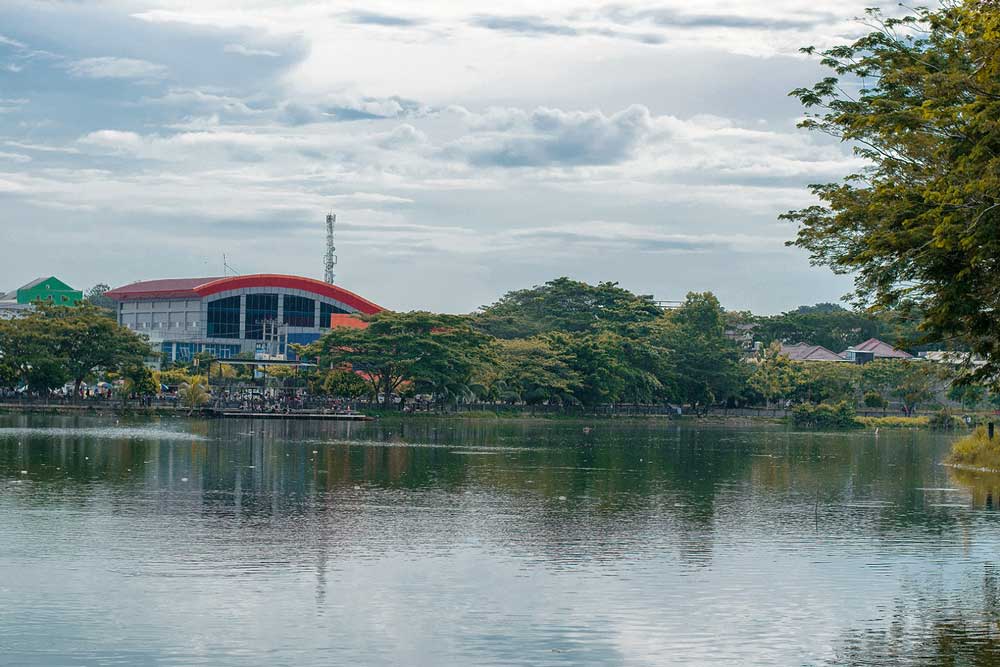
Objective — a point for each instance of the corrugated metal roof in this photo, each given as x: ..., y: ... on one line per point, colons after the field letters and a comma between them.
x: 165, y: 288
x: 806, y: 352
x: 880, y: 349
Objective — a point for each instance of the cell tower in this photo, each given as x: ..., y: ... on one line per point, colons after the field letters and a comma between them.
x: 330, y: 261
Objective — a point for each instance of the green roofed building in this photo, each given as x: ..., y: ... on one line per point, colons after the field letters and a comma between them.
x: 49, y: 289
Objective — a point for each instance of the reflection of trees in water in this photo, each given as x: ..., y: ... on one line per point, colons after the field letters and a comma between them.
x: 930, y: 626
x: 546, y: 488
x: 984, y: 486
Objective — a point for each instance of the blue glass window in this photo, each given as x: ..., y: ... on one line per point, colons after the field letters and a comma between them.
x: 299, y: 311
x: 260, y: 308
x: 221, y: 351
x: 325, y: 311
x: 224, y: 318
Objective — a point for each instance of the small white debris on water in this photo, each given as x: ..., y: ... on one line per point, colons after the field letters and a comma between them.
x: 357, y: 488
x: 24, y: 472
x: 184, y: 479
x: 562, y: 497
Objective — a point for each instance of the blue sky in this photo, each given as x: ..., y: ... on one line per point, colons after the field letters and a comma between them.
x: 467, y: 148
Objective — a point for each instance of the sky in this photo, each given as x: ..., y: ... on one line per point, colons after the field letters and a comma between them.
x: 467, y: 148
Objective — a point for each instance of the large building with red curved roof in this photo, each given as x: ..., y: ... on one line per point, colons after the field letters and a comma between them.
x: 232, y: 315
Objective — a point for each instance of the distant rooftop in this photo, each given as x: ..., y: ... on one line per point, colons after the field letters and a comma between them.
x: 880, y: 350
x: 806, y: 352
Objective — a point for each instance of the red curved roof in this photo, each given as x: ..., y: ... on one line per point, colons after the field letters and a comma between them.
x: 196, y: 288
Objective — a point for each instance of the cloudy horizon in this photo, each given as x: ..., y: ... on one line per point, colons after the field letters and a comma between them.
x: 467, y: 151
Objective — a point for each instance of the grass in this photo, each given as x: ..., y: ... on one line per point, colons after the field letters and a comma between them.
x: 894, y: 422
x: 976, y: 450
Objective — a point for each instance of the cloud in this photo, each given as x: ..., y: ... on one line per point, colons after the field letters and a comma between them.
x: 14, y: 157
x: 379, y: 19
x: 109, y: 67
x: 12, y: 104
x: 524, y: 25
x: 8, y: 41
x: 241, y: 50
x: 671, y: 18
x: 535, y: 26
x: 543, y: 137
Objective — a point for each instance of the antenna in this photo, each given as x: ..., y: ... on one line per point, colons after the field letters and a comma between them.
x: 330, y: 261
x: 226, y: 267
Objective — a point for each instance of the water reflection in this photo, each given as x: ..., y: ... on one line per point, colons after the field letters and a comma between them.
x: 456, y: 543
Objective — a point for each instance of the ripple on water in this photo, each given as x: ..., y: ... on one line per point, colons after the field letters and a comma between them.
x: 102, y: 433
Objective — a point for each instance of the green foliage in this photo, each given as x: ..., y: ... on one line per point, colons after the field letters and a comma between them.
x: 707, y: 365
x: 437, y: 354
x: 971, y: 396
x: 943, y: 420
x: 834, y: 328
x: 873, y: 399
x: 894, y: 422
x: 193, y: 395
x: 139, y: 380
x: 825, y: 415
x: 826, y: 381
x: 564, y: 305
x: 919, y: 227
x: 775, y: 376
x: 344, y: 384
x: 53, y: 344
x: 535, y: 370
x: 95, y: 296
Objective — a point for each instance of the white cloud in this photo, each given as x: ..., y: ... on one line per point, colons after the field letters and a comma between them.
x: 14, y: 157
x: 108, y: 67
x: 241, y: 50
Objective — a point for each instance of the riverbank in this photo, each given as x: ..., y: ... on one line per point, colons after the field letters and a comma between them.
x: 721, y: 416
x: 976, y: 451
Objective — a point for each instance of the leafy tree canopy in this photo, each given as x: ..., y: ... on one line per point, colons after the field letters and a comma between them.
x: 919, y: 227
x: 564, y: 305
x: 437, y: 354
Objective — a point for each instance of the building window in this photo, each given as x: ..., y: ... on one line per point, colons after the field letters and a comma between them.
x: 260, y: 308
x: 221, y: 351
x: 224, y: 318
x: 299, y: 311
x: 325, y: 311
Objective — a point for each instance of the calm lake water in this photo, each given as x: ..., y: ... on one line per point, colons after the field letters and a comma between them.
x: 180, y: 542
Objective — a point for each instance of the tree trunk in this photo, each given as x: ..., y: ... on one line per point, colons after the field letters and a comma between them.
x: 76, y: 389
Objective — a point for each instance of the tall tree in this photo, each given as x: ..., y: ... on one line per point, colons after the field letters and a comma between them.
x: 85, y: 340
x: 436, y: 353
x: 919, y: 227
x: 96, y: 296
x: 708, y: 365
x: 564, y: 305
x: 774, y: 376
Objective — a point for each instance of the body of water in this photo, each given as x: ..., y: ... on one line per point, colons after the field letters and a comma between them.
x: 180, y: 542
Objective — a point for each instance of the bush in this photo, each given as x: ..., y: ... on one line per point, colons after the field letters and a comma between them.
x: 943, y: 420
x: 977, y: 450
x: 873, y: 399
x: 825, y: 415
x: 894, y: 422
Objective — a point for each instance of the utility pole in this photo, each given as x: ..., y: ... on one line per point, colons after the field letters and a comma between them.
x: 330, y: 261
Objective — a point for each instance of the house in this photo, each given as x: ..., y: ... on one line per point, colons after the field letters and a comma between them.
x: 48, y: 289
x: 806, y: 352
x: 871, y: 350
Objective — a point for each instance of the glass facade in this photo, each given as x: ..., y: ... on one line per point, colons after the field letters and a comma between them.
x: 221, y: 351
x: 299, y: 311
x: 260, y: 308
x: 224, y: 317
x: 184, y: 351
x: 325, y: 311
